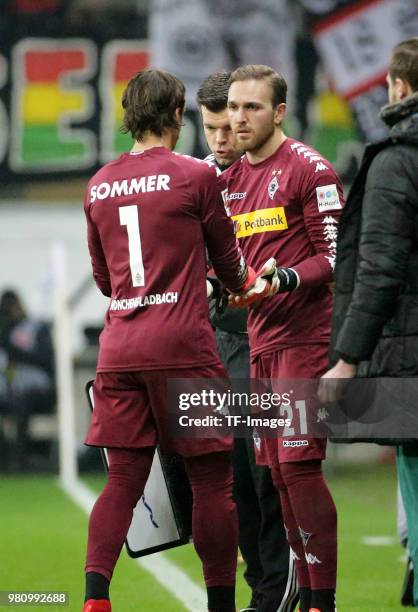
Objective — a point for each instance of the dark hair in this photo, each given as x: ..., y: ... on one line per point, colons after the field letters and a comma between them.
x: 10, y: 305
x: 213, y: 92
x: 150, y: 101
x: 259, y: 72
x: 404, y: 62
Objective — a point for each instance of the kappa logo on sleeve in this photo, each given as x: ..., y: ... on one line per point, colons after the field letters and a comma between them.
x: 260, y: 221
x: 328, y: 198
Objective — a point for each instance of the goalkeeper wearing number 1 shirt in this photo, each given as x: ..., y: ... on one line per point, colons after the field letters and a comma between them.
x: 149, y: 215
x: 285, y: 200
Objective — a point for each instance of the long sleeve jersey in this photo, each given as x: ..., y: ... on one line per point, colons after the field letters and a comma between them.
x: 149, y: 217
x: 288, y: 207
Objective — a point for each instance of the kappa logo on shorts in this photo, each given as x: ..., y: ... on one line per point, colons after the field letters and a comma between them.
x: 322, y: 415
x: 295, y: 443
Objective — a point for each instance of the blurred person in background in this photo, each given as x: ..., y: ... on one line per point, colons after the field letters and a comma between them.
x: 42, y: 8
x: 407, y: 591
x: 36, y: 17
x: 116, y: 19
x: 262, y: 539
x: 27, y: 374
x: 375, y: 319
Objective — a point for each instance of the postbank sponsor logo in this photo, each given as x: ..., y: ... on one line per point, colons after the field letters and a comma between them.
x: 260, y: 221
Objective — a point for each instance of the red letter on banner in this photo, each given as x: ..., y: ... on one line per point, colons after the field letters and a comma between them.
x: 121, y: 61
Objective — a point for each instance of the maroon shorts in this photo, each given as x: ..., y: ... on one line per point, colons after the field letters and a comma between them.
x: 305, y: 361
x: 130, y: 411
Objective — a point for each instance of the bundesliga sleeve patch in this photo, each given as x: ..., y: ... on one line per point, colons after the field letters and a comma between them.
x: 328, y: 198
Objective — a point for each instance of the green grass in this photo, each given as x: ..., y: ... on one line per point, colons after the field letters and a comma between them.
x: 369, y: 577
x: 42, y: 546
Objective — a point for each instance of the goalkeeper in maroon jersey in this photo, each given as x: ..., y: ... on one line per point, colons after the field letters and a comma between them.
x: 285, y: 200
x: 150, y: 214
x: 262, y: 540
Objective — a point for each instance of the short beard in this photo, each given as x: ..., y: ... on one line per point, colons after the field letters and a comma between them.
x: 259, y: 142
x: 225, y: 163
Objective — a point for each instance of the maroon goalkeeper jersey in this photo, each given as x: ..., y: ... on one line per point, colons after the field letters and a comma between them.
x: 149, y: 216
x: 288, y: 207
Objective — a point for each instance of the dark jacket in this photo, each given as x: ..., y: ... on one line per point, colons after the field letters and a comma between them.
x: 375, y: 319
x: 231, y: 320
x: 224, y: 318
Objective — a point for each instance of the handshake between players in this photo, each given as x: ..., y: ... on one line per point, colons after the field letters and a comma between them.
x: 268, y: 281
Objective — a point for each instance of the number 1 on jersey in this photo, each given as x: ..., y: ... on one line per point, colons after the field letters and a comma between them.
x: 129, y: 216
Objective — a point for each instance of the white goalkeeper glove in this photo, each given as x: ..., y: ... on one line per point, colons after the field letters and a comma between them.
x: 209, y: 289
x: 270, y: 280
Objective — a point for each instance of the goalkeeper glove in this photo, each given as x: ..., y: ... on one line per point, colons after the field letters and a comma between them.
x: 270, y: 280
x: 281, y: 280
x: 215, y: 290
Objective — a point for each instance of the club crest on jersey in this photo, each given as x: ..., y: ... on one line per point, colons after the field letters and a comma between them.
x: 273, y: 187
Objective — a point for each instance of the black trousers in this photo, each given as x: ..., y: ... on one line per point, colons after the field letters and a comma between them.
x: 262, y: 537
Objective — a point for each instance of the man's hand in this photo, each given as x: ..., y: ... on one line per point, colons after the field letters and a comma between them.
x: 269, y: 272
x: 209, y: 289
x: 258, y: 291
x: 271, y: 279
x: 215, y: 291
x: 333, y: 383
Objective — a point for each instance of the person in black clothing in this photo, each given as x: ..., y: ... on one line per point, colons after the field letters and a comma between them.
x: 27, y: 374
x: 375, y: 318
x: 262, y: 538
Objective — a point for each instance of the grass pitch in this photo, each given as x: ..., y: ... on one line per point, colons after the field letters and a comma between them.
x: 43, y: 535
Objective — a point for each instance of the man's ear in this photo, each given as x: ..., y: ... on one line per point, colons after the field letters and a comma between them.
x: 279, y: 113
x: 402, y: 88
x: 179, y: 115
